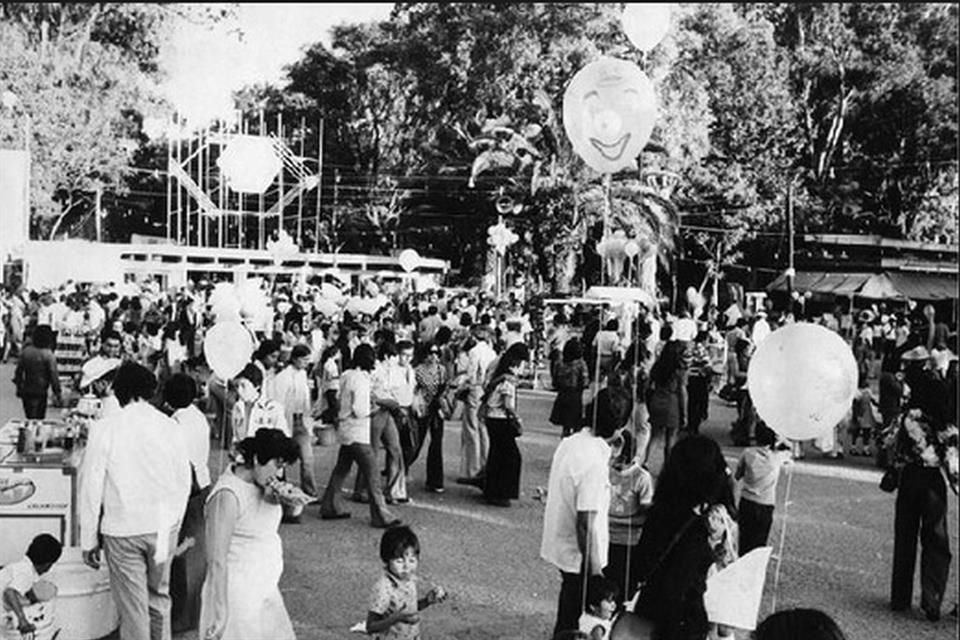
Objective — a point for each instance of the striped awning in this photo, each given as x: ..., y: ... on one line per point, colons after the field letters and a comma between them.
x: 840, y: 284
x: 889, y: 285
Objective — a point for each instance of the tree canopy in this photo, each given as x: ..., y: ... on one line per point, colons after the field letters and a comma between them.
x: 433, y: 115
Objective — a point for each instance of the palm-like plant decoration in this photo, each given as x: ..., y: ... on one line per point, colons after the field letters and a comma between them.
x: 640, y: 211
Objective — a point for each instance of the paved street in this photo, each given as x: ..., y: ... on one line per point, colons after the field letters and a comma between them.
x: 838, y: 545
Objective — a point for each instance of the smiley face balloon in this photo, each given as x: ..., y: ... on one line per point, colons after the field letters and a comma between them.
x: 609, y: 110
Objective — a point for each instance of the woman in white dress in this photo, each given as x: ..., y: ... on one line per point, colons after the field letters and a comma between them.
x: 241, y: 595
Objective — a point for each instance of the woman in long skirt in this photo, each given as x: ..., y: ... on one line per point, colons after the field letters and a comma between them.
x: 504, y: 426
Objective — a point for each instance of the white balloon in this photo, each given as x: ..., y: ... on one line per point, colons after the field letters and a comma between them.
x: 331, y: 292
x: 646, y: 24
x: 802, y: 380
x: 609, y: 109
x: 631, y: 248
x: 249, y: 163
x: 409, y: 260
x: 227, y: 347
x: 326, y: 307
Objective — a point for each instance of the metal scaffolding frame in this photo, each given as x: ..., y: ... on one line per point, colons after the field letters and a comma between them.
x: 202, y: 211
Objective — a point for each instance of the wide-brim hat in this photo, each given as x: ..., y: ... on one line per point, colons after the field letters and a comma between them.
x: 916, y: 354
x: 94, y: 369
x: 867, y: 316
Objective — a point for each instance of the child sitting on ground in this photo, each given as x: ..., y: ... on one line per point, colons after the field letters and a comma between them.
x: 602, y: 598
x: 20, y: 581
x: 394, y: 607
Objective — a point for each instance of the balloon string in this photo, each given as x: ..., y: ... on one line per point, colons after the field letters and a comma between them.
x: 223, y: 429
x: 783, y: 535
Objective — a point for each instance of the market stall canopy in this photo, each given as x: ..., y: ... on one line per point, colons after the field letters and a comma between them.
x: 903, y: 285
x: 840, y: 284
x: 889, y: 285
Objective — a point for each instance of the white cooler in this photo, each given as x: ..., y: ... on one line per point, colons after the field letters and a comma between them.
x: 84, y: 605
x: 41, y: 615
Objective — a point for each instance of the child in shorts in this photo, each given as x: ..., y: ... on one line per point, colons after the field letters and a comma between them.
x: 20, y: 583
x: 394, y: 606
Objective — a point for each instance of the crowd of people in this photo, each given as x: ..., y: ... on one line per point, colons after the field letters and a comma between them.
x: 636, y: 496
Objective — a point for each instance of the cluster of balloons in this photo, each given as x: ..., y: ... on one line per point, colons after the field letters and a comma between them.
x: 500, y: 236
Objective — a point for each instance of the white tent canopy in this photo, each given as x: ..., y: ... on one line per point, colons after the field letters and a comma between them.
x: 51, y: 264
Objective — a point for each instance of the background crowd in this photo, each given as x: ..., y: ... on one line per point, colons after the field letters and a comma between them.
x: 632, y: 383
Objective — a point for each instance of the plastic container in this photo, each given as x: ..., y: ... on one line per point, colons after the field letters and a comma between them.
x: 84, y: 605
x: 41, y: 615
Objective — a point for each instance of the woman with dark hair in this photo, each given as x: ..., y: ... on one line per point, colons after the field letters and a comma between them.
x: 798, y: 624
x: 431, y: 378
x: 503, y: 426
x: 253, y: 410
x: 570, y: 379
x: 36, y: 374
x: 675, y: 550
x: 353, y: 431
x: 241, y: 595
x: 665, y: 397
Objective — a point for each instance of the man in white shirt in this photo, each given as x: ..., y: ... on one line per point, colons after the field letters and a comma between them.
x: 138, y: 473
x: 393, y: 384
x: 475, y: 443
x: 293, y: 392
x: 761, y: 328
x: 575, y: 528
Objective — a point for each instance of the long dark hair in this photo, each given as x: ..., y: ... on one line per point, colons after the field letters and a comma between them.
x: 267, y: 445
x: 667, y: 364
x: 514, y: 355
x: 694, y: 474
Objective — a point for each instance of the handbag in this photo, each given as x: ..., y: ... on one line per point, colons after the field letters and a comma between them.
x: 728, y: 392
x: 419, y: 405
x: 630, y: 625
x: 890, y: 480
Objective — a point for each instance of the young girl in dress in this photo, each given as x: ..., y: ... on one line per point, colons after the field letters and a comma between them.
x: 394, y: 606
